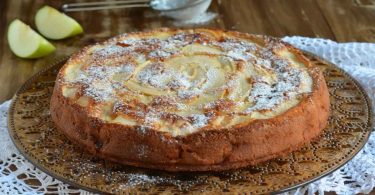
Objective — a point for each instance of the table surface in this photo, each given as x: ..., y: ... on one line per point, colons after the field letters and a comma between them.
x: 338, y: 20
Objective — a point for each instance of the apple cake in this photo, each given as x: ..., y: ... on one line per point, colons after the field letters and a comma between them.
x: 190, y: 100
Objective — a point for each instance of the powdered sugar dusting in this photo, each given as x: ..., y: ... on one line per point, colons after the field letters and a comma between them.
x: 199, y: 120
x: 156, y: 75
x: 265, y: 97
x: 98, y: 80
x: 143, y: 180
x: 238, y: 50
x: 111, y: 50
x: 139, y: 179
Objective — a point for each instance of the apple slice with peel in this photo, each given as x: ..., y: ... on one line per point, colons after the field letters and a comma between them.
x: 26, y: 43
x: 56, y: 25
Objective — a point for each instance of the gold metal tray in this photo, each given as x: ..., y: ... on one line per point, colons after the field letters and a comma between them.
x: 35, y: 135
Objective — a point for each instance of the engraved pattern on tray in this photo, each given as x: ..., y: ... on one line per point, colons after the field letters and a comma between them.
x: 35, y: 135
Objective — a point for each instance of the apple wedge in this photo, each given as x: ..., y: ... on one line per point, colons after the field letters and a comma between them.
x: 25, y: 42
x: 56, y: 25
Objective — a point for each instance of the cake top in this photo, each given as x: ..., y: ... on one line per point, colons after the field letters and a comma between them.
x: 183, y: 81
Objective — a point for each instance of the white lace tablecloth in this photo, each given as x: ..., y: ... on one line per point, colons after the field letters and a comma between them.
x: 357, y: 176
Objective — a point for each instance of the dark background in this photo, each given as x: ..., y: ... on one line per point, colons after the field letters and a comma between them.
x: 339, y: 20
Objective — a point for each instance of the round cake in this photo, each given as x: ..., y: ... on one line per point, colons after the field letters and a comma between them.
x: 190, y: 100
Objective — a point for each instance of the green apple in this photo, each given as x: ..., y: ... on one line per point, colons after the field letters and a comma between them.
x: 56, y: 25
x: 26, y: 43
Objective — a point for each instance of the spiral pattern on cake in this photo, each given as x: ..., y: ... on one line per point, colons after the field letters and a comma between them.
x: 182, y: 82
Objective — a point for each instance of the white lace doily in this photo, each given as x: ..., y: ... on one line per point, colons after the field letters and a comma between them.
x: 18, y: 176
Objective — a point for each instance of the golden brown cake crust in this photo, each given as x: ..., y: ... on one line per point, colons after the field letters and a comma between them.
x: 209, y: 150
